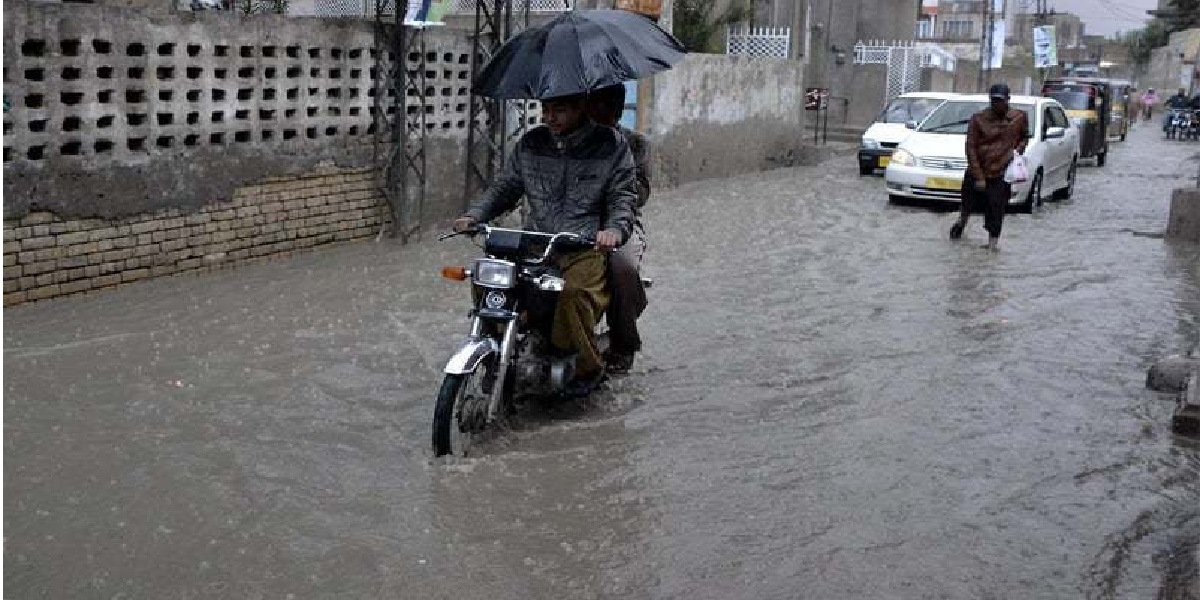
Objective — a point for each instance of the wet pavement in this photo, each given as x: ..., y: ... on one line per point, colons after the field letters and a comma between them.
x: 836, y: 402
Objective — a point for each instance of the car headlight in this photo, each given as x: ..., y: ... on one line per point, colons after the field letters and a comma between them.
x: 904, y: 158
x: 494, y: 273
x: 870, y: 144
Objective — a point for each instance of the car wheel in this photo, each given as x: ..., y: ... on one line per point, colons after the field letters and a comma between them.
x: 1101, y: 158
x: 864, y: 170
x: 1067, y: 192
x: 1035, y: 194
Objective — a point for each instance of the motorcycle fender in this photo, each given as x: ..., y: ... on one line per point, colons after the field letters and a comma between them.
x: 467, y: 358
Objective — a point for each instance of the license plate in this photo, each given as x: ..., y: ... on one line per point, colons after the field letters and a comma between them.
x: 943, y: 183
x: 884, y: 160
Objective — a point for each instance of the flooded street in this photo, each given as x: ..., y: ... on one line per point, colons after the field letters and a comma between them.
x: 836, y: 402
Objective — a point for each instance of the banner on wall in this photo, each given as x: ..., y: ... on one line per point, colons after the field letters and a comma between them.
x: 996, y: 52
x: 1045, y: 47
x: 426, y: 12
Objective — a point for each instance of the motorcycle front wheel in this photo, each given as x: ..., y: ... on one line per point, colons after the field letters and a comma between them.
x: 460, y: 412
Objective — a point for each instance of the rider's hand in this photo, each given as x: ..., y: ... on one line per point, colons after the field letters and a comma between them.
x: 980, y: 185
x: 463, y: 224
x: 607, y: 240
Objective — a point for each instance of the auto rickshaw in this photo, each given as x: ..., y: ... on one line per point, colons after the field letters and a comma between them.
x: 1089, y: 105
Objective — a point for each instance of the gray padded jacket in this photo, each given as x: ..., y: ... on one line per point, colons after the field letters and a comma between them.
x: 583, y: 182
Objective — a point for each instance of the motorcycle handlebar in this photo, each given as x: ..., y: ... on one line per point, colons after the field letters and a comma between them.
x: 564, y: 241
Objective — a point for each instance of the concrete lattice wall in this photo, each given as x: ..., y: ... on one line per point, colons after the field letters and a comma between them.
x: 116, y: 113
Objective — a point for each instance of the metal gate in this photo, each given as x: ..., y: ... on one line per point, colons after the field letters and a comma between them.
x: 903, y: 64
x: 904, y: 60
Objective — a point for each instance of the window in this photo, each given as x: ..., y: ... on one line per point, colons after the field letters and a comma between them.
x: 958, y: 29
x: 1058, y: 118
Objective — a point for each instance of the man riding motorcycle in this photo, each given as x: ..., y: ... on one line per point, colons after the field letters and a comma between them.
x: 576, y: 176
x: 1179, y: 101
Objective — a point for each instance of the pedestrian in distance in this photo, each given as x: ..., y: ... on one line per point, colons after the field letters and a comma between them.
x: 993, y: 135
x: 1149, y: 100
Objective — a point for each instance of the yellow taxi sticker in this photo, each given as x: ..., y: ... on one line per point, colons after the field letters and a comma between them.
x: 943, y: 183
x: 884, y: 160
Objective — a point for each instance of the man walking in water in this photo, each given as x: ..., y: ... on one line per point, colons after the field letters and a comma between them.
x: 992, y: 135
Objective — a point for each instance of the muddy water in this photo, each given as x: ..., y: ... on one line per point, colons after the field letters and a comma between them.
x: 835, y: 402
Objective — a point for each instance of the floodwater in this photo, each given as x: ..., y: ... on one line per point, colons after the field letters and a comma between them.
x: 835, y: 402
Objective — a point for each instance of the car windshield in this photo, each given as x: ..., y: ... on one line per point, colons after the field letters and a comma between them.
x: 1074, y: 100
x: 953, y: 117
x: 903, y: 110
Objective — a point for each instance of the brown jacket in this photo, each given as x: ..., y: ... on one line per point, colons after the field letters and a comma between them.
x: 991, y: 141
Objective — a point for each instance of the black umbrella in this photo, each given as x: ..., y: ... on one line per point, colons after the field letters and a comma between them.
x: 577, y: 52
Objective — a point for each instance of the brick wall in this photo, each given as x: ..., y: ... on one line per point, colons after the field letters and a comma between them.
x: 46, y: 256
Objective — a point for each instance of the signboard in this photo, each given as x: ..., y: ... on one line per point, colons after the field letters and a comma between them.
x: 816, y: 98
x: 421, y: 13
x: 996, y: 53
x: 1045, y: 47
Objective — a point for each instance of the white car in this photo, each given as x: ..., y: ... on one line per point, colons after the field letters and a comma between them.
x: 931, y: 162
x: 890, y: 127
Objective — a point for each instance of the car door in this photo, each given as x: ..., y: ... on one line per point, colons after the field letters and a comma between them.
x: 1068, y: 145
x: 1054, y: 167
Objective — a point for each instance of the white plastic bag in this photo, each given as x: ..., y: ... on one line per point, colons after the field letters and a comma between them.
x: 1017, y: 171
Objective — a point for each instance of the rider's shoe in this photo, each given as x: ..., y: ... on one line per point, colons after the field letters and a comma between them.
x: 618, y: 363
x: 583, y: 387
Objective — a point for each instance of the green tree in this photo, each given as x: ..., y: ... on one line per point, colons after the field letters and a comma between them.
x: 696, y: 26
x: 1186, y: 15
x: 1142, y: 42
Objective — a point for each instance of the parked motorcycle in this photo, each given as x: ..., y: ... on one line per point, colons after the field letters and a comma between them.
x: 508, y: 349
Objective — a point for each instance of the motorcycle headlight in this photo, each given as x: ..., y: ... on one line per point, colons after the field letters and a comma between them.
x: 904, y: 158
x: 495, y: 273
x: 870, y: 144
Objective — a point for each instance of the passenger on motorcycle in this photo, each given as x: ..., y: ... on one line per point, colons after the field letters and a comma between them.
x: 624, y: 266
x: 580, y: 177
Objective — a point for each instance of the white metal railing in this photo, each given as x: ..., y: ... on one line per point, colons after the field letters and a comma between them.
x: 535, y: 6
x: 366, y: 8
x: 881, y: 52
x: 767, y: 42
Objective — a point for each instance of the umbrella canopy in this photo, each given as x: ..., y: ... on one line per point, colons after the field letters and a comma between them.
x: 577, y: 52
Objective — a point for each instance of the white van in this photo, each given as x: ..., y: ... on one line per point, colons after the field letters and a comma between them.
x: 890, y: 127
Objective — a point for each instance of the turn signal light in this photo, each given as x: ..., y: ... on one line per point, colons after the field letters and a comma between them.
x: 455, y: 273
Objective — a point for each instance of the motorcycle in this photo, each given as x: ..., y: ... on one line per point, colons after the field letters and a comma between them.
x: 508, y: 349
x: 1178, y: 122
x: 1192, y: 130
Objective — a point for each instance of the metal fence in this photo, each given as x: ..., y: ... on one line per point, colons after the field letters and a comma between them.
x: 767, y: 42
x: 366, y: 8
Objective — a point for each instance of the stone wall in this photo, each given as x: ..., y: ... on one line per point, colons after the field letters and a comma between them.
x: 46, y: 255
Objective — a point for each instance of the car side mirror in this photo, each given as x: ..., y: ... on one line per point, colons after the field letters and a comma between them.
x: 911, y: 124
x: 1054, y: 133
